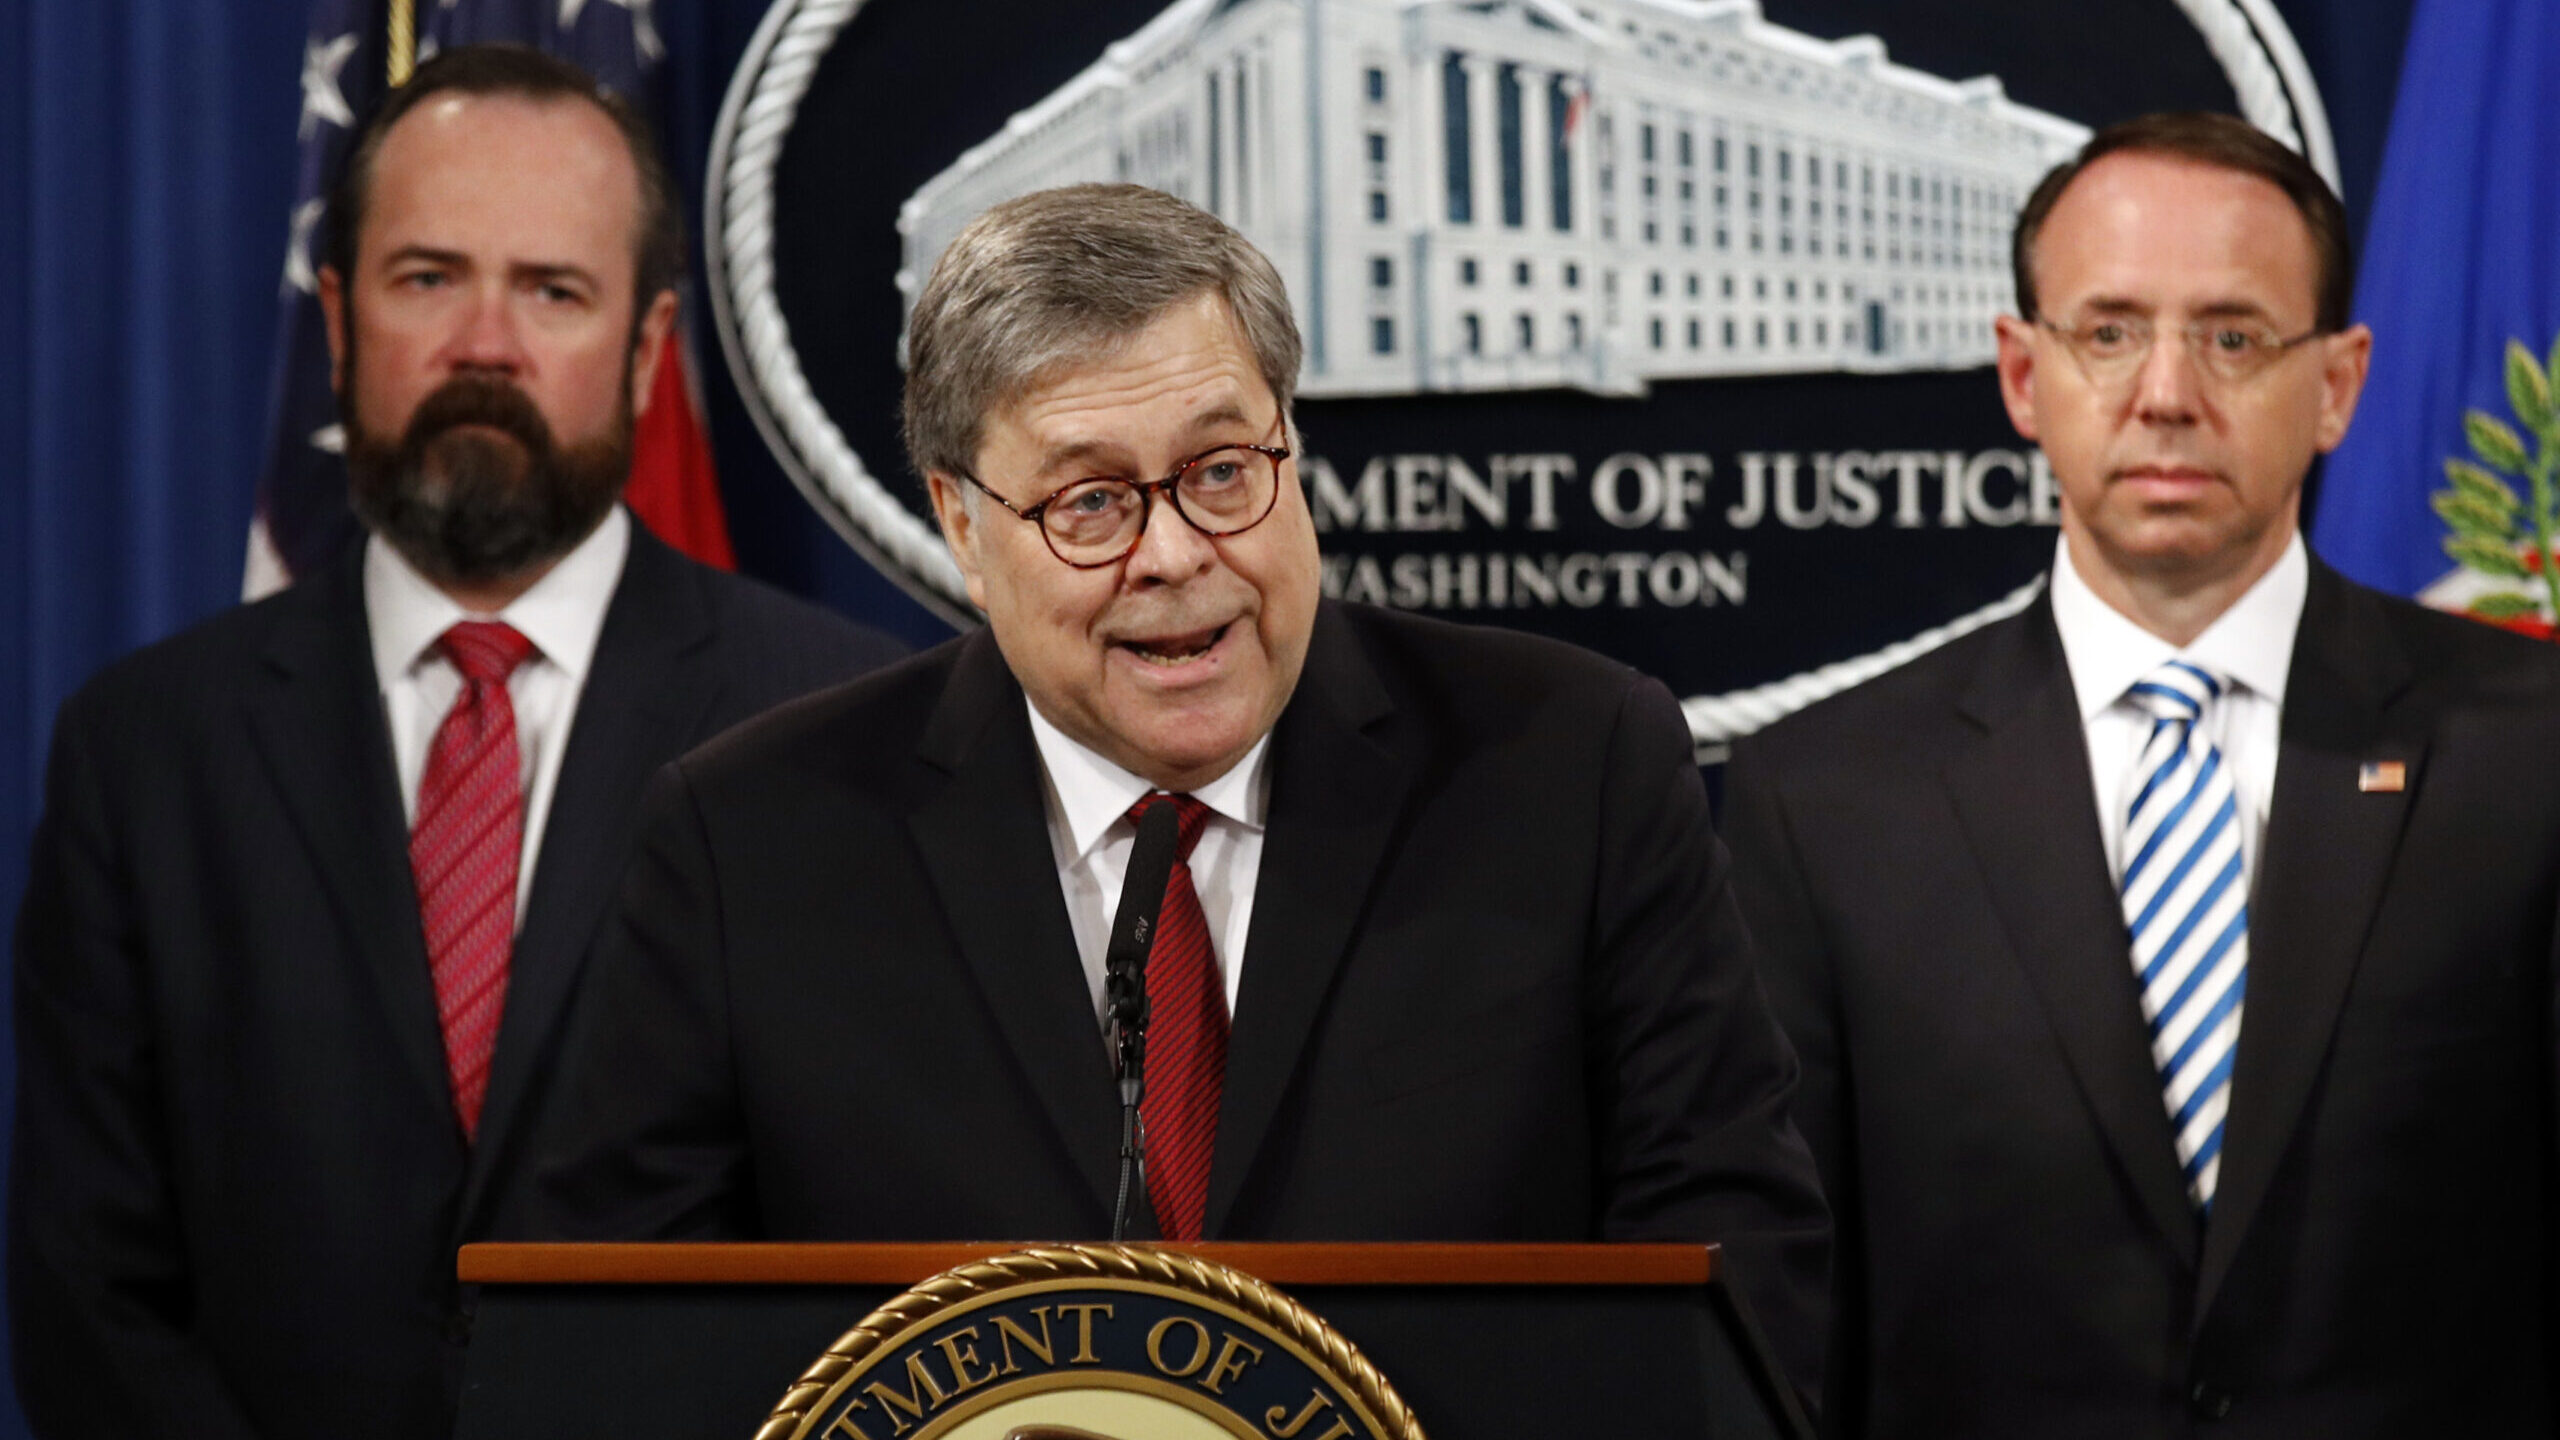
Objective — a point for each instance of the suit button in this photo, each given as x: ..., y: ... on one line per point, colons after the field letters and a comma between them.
x: 457, y: 1327
x: 2209, y: 1402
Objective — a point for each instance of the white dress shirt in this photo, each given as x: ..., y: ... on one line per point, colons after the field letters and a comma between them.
x: 1090, y: 836
x: 2250, y: 644
x: 562, y: 614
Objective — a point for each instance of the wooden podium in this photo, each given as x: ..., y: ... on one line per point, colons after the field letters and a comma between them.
x: 1483, y: 1342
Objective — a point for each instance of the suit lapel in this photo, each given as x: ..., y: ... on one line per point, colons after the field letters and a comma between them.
x: 317, y: 716
x: 1337, y: 795
x: 985, y: 843
x: 2328, y: 851
x: 2022, y: 792
x: 647, y: 698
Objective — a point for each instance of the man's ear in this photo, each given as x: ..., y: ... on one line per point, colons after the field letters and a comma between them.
x: 2345, y: 359
x: 959, y: 531
x: 333, y: 317
x: 2017, y: 366
x: 649, y: 347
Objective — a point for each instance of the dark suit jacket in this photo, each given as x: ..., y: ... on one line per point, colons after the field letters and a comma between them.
x: 1494, y: 988
x: 238, y: 1181
x: 1921, y: 864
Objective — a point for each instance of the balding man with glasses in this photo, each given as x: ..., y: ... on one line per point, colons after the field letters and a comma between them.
x: 1445, y: 949
x: 2172, y: 964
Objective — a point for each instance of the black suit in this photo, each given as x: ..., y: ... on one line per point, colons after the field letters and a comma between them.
x: 238, y: 1181
x: 1921, y: 863
x: 1494, y: 986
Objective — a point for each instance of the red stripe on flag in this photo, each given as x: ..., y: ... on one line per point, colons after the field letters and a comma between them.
x: 675, y: 490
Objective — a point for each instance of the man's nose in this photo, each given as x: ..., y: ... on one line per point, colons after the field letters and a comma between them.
x: 2169, y: 387
x: 486, y: 337
x: 1170, y: 548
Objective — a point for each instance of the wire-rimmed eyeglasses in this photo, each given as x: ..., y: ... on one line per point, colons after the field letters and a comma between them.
x: 2111, y: 349
x: 1098, y: 521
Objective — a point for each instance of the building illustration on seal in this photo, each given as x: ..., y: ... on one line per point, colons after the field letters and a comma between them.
x: 1487, y: 195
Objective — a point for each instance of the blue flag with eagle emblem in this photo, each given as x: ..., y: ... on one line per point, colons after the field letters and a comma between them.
x: 2461, y: 257
x: 302, y: 516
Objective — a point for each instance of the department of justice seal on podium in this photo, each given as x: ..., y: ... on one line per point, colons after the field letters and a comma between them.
x: 1091, y: 1342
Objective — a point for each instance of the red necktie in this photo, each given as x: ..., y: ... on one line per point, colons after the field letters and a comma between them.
x: 1186, y: 1039
x: 463, y: 851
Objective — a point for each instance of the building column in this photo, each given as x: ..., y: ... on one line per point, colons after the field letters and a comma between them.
x: 1417, y: 169
x: 1537, y: 214
x: 1244, y: 91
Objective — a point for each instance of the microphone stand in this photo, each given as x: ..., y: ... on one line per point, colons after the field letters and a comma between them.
x: 1124, y: 993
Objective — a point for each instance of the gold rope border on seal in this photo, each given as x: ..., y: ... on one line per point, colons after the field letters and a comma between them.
x: 1146, y: 1264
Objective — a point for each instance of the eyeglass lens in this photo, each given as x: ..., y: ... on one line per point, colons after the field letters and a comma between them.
x: 2115, y: 348
x: 1219, y: 493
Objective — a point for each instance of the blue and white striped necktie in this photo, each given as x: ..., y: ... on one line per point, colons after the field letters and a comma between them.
x: 2186, y: 903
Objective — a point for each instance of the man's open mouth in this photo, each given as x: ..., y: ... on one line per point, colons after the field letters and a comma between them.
x: 1174, y: 649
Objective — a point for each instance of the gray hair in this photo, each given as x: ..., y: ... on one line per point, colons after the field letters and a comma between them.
x: 1062, y: 277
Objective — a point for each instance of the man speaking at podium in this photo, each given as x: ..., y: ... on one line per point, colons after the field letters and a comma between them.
x: 1445, y: 950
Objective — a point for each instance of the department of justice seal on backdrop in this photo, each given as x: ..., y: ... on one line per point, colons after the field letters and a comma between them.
x: 1663, y: 327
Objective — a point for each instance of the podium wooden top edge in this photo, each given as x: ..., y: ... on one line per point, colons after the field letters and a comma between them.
x: 1277, y: 1263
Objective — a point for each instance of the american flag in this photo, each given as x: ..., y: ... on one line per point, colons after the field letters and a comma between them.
x: 352, y: 51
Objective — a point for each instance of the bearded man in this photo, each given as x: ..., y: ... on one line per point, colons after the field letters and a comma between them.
x: 315, y: 880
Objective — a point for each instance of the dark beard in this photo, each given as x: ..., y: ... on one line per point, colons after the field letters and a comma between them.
x: 476, y: 489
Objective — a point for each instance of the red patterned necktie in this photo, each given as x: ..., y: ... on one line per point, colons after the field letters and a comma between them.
x: 464, y: 852
x: 1186, y: 1038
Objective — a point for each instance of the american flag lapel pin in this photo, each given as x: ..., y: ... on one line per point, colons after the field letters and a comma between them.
x: 2382, y: 777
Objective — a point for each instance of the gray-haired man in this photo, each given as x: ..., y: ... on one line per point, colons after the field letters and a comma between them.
x: 1456, y: 888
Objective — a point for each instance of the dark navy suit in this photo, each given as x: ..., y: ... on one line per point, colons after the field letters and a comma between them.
x: 238, y: 1182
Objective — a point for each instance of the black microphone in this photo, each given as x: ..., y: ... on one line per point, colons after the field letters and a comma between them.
x: 1124, y: 989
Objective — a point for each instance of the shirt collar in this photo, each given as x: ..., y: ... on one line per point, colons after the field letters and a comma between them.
x: 2251, y: 643
x: 562, y: 613
x: 1093, y: 794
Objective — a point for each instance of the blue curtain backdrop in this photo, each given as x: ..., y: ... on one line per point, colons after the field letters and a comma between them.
x: 146, y: 153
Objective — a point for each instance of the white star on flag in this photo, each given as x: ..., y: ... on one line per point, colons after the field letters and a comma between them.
x: 644, y: 35
x: 321, y: 98
x: 299, y: 274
